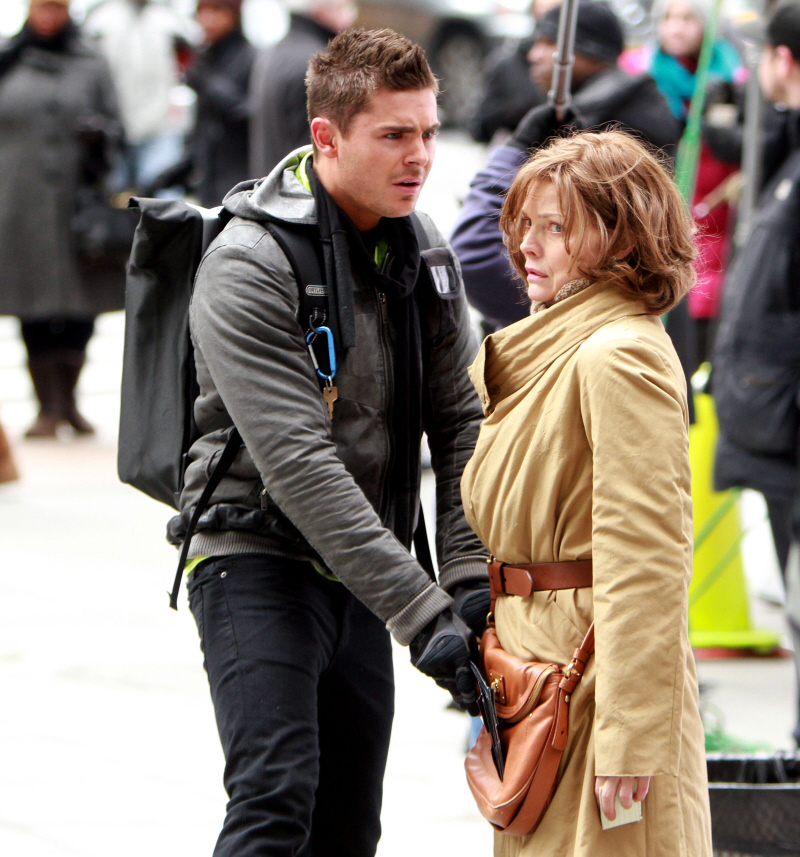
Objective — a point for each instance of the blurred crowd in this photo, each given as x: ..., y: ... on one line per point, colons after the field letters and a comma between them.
x: 88, y: 118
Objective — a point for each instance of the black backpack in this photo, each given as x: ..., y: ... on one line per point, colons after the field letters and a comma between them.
x: 159, y: 382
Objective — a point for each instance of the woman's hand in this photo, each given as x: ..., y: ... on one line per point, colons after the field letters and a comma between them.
x: 628, y: 788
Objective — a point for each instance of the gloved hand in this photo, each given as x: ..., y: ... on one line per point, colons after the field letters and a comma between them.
x: 442, y: 650
x: 539, y: 124
x: 472, y: 601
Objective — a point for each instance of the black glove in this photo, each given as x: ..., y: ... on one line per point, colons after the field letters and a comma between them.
x: 442, y: 650
x: 472, y: 601
x: 539, y: 124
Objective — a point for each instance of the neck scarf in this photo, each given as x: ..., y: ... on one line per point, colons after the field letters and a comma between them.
x: 346, y: 249
x: 676, y: 82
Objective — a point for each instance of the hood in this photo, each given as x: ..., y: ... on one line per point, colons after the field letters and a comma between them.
x: 278, y: 196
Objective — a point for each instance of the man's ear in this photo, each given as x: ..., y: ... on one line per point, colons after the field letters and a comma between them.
x: 325, y: 136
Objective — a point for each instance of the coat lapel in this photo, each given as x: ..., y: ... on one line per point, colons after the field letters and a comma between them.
x: 514, y: 356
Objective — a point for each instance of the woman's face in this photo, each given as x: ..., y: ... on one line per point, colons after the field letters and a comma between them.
x: 548, y: 265
x: 681, y: 31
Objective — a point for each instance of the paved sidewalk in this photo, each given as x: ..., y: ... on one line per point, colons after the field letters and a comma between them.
x: 107, y: 738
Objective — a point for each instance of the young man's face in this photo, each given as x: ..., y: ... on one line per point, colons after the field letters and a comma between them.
x: 379, y: 167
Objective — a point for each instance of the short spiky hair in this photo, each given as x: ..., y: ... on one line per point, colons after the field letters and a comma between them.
x: 609, y: 182
x: 358, y: 62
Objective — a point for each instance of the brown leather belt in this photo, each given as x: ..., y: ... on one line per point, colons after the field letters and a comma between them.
x: 526, y: 579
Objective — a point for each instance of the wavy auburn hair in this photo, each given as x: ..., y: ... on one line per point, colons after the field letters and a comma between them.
x: 610, y: 182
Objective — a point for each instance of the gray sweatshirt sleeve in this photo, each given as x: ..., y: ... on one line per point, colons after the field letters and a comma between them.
x: 244, y: 322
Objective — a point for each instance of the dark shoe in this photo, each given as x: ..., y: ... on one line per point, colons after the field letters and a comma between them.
x: 69, y: 368
x: 45, y: 425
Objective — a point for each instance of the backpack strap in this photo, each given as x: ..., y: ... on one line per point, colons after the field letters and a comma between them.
x: 220, y: 469
x: 300, y: 252
x: 422, y: 236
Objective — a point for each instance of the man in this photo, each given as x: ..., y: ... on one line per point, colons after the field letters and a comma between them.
x: 302, y: 562
x: 141, y: 40
x: 756, y: 382
x: 216, y: 152
x: 278, y: 123
x: 604, y: 96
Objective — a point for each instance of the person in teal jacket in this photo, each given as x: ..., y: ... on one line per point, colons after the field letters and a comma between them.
x: 672, y: 62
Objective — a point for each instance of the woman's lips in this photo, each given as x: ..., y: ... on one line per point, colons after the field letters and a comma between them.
x: 534, y: 275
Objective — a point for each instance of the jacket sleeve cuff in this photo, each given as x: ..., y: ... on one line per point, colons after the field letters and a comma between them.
x: 426, y: 606
x: 464, y: 569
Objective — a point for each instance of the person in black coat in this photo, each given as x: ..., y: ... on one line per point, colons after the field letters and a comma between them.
x: 219, y: 76
x: 216, y: 152
x: 756, y: 363
x: 278, y: 123
x: 59, y: 128
x: 757, y: 351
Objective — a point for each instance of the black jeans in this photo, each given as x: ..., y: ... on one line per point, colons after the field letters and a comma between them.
x: 302, y: 684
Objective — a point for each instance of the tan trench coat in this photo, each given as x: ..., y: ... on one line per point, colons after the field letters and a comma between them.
x: 584, y: 453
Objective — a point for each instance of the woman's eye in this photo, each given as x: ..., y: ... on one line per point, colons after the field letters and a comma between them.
x: 526, y: 223
x: 555, y: 228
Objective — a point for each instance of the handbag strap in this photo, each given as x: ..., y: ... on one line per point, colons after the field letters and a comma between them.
x: 573, y: 672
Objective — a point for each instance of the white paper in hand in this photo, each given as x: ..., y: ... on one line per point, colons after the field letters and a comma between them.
x: 624, y: 816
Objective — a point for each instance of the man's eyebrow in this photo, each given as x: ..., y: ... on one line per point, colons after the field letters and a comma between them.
x: 408, y: 129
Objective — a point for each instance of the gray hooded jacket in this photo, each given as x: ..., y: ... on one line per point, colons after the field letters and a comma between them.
x: 305, y: 486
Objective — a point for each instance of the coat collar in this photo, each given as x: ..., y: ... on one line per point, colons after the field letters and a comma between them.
x: 512, y: 357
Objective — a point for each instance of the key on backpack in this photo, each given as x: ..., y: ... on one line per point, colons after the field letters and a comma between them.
x: 330, y: 394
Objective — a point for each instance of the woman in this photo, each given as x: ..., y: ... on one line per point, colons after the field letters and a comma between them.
x: 584, y: 455
x: 681, y: 25
x: 57, y: 108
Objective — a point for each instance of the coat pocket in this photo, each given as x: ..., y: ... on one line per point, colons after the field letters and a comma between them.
x: 757, y: 403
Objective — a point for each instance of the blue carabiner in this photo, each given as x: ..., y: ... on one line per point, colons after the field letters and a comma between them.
x: 310, y: 337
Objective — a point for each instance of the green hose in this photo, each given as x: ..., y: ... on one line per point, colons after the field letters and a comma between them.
x: 689, y: 148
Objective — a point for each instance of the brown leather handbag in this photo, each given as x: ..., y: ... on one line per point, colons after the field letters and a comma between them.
x: 532, y: 703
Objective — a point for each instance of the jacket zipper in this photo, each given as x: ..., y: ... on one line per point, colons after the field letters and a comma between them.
x: 387, y: 356
x: 387, y: 352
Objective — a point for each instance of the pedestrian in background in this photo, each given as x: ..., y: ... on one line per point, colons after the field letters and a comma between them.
x: 278, y: 120
x: 217, y: 148
x: 603, y: 96
x: 58, y: 116
x: 508, y: 91
x: 756, y: 379
x: 142, y: 41
x: 673, y: 62
x: 584, y: 455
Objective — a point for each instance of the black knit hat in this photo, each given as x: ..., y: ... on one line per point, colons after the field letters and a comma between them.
x: 598, y: 34
x: 783, y: 27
